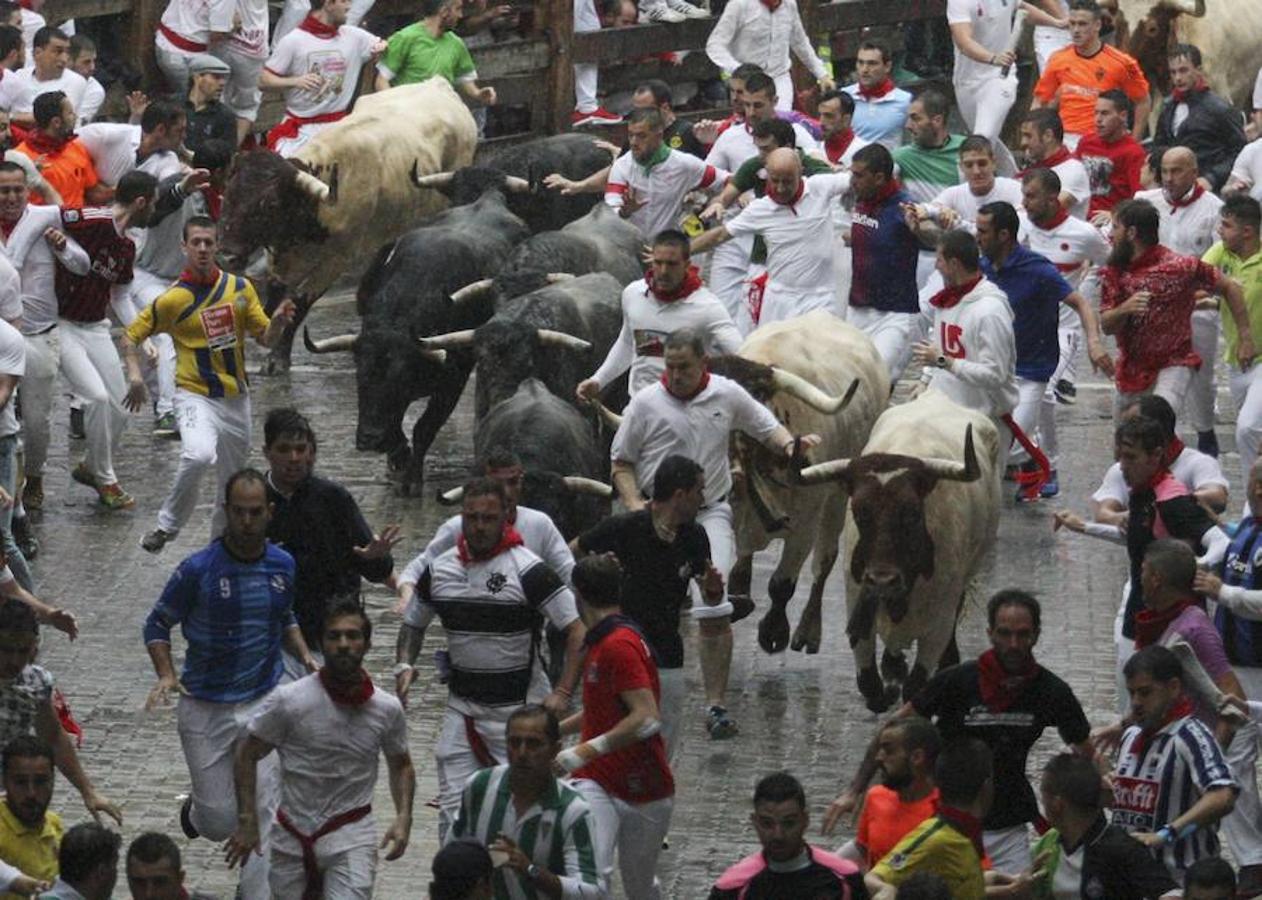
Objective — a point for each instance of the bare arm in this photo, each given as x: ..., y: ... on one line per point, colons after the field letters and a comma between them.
x: 641, y: 722
x: 623, y: 475
x: 296, y: 646
x: 1142, y: 109
x: 568, y: 680
x: 49, y: 729
x: 848, y: 800
x: 402, y: 792
x: 1234, y: 295
x: 709, y: 240
x: 406, y: 649
x: 245, y: 840
x: 1100, y: 359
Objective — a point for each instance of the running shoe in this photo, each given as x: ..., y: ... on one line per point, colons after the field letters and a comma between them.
x: 1051, y: 487
x: 688, y: 10
x: 76, y: 424
x: 719, y: 724
x: 24, y: 538
x: 1207, y: 443
x: 114, y: 497
x: 81, y: 474
x: 1065, y: 391
x: 155, y: 540
x: 663, y: 13
x: 165, y: 426
x: 598, y: 116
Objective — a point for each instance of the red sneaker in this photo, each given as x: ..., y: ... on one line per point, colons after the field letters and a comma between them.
x: 598, y: 116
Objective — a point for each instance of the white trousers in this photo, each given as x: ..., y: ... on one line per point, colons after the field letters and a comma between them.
x: 634, y: 831
x: 174, y: 63
x: 671, y: 709
x: 455, y: 761
x: 89, y: 361
x: 1069, y: 335
x: 209, y: 733
x: 784, y: 90
x: 1047, y: 41
x: 1125, y: 650
x: 1247, y: 397
x: 716, y: 519
x: 213, y: 432
x: 241, y: 94
x: 984, y: 104
x: 1242, y: 829
x: 297, y: 10
x: 348, y: 875
x: 1172, y: 384
x: 160, y: 379
x: 1201, y: 393
x: 729, y: 274
x: 1008, y: 848
x: 781, y: 303
x: 893, y: 333
x: 1028, y: 415
x: 586, y: 76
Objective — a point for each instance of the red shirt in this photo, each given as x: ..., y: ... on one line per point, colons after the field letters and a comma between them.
x: 1161, y: 337
x: 638, y: 773
x: 1114, y: 169
x: 86, y: 298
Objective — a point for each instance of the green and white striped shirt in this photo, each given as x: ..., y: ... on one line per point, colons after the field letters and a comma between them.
x: 555, y: 834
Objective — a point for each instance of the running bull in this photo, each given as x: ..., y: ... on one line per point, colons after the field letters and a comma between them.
x: 922, y: 516
x: 349, y: 190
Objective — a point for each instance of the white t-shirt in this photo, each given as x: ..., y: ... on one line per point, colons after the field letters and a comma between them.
x: 249, y: 38
x: 112, y: 146
x: 194, y: 20
x: 1193, y: 469
x: 10, y: 291
x: 735, y: 146
x: 656, y: 424
x: 661, y: 188
x: 93, y: 97
x: 328, y: 757
x: 19, y: 90
x: 337, y: 60
x: 1068, y: 244
x: 1075, y: 181
x: 992, y: 28
x: 799, y: 237
x: 12, y: 354
x: 1247, y: 168
x: 960, y: 199
x: 1191, y: 229
x: 646, y: 322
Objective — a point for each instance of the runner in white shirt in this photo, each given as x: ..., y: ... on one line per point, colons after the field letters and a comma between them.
x: 50, y: 72
x: 317, y: 65
x: 244, y: 50
x: 985, y: 76
x: 670, y: 297
x: 794, y: 218
x: 187, y: 28
x: 297, y: 10
x: 1043, y: 142
x: 117, y: 148
x: 1246, y: 172
x: 647, y: 184
x: 328, y: 729
x: 1189, y: 225
x: 763, y: 33
x: 83, y: 61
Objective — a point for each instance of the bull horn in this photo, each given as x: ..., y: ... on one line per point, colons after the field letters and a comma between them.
x: 438, y: 357
x: 516, y: 185
x: 799, y: 387
x: 333, y: 184
x: 950, y: 470
x: 473, y: 291
x: 550, y: 338
x: 436, y: 181
x: 1194, y: 8
x: 611, y: 419
x: 580, y: 485
x: 452, y: 340
x: 558, y: 277
x: 833, y: 470
x: 311, y: 185
x: 451, y: 497
x: 329, y: 345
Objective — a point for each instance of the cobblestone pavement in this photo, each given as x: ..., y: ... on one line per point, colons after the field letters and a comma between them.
x: 797, y: 712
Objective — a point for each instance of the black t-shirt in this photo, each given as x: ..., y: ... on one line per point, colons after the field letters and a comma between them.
x: 678, y: 136
x: 655, y: 575
x: 953, y: 699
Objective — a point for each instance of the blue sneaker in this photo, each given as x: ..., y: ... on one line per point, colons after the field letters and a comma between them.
x: 1051, y: 487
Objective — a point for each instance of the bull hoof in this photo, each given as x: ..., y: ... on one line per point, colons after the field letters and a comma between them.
x: 916, y: 680
x: 773, y: 630
x: 274, y: 365
x: 806, y: 637
x: 873, y: 691
x: 894, y: 666
x: 742, y: 606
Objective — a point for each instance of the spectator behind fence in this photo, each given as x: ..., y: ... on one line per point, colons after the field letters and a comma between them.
x: 429, y: 47
x: 83, y: 63
x: 764, y: 32
x: 587, y: 110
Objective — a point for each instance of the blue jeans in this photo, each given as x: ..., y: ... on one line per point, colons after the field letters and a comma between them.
x: 9, y: 481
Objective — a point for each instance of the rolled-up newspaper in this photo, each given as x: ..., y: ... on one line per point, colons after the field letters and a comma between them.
x: 1018, y: 26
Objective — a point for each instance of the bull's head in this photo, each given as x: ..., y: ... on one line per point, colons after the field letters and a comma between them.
x: 573, y: 502
x: 1156, y: 34
x: 895, y: 545
x: 272, y: 202
x: 468, y: 184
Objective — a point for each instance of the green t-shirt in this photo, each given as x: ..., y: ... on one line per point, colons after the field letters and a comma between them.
x: 751, y: 176
x: 927, y: 173
x: 1249, y: 273
x: 413, y: 54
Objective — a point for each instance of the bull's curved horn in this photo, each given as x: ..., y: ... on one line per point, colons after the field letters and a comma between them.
x: 449, y: 341
x: 309, y: 184
x: 451, y: 497
x: 1194, y: 8
x: 950, y: 470
x: 516, y: 185
x: 473, y: 291
x: 833, y: 470
x: 435, y: 181
x: 550, y: 338
x: 333, y: 184
x: 799, y: 387
x: 434, y: 356
x: 611, y: 419
x: 557, y: 277
x: 329, y: 345
x: 579, y: 485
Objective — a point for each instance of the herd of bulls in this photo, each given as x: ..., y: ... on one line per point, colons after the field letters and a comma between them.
x: 495, y: 274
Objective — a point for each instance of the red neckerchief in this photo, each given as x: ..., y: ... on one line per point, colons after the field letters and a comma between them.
x: 692, y: 281
x: 188, y: 276
x: 1180, y: 96
x: 949, y: 296
x: 1173, y: 449
x: 837, y: 145
x: 1181, y: 710
x: 312, y: 25
x: 355, y: 695
x: 509, y: 539
x: 704, y: 383
x: 870, y: 207
x: 45, y: 143
x: 968, y: 825
x: 792, y: 202
x: 877, y: 92
x: 7, y: 227
x: 772, y: 5
x: 214, y: 202
x: 1061, y: 215
x: 1151, y: 624
x: 1187, y: 199
x: 1000, y: 688
x: 1054, y: 160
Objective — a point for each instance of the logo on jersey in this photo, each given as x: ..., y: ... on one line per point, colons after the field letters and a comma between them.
x: 1135, y: 802
x: 279, y: 584
x: 225, y: 588
x: 952, y: 339
x: 70, y: 216
x: 496, y: 581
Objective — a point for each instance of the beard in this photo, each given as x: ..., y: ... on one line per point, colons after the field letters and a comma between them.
x: 896, y: 781
x: 1122, y: 254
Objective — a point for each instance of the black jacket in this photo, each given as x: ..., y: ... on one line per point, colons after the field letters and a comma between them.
x: 1213, y: 130
x: 319, y: 526
x: 1115, y: 866
x: 213, y: 121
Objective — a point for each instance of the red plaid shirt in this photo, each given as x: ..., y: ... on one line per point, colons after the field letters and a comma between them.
x: 1161, y: 337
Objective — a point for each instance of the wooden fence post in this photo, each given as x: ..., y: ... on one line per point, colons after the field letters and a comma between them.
x: 142, y: 22
x: 560, y: 80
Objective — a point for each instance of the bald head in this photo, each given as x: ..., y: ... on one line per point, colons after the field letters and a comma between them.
x: 1178, y: 172
x: 784, y: 173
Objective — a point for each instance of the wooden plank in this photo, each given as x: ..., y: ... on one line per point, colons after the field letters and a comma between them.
x: 495, y: 61
x: 852, y: 14
x: 695, y: 67
x: 60, y: 10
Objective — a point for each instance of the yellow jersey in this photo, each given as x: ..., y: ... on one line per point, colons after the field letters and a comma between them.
x: 33, y: 850
x: 209, y: 323
x: 935, y: 846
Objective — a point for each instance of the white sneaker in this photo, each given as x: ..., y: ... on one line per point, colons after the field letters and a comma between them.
x: 688, y: 10
x: 662, y: 13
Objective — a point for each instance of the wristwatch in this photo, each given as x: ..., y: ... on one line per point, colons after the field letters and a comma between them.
x: 400, y: 668
x: 532, y: 871
x: 941, y: 362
